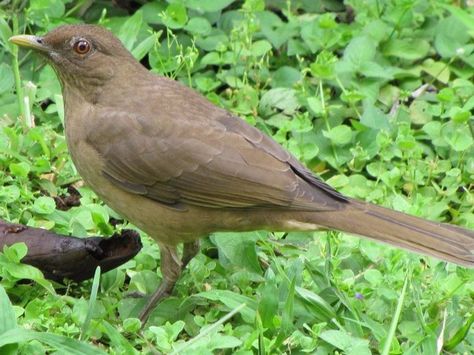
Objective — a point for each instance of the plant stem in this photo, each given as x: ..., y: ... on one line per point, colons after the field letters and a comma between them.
x: 16, y: 73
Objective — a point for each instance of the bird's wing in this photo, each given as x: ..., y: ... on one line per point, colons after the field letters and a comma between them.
x: 219, y: 163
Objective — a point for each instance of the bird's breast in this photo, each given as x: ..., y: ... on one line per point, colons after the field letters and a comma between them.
x: 78, y: 121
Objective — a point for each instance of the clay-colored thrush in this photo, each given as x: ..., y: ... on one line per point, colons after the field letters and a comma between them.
x: 179, y: 167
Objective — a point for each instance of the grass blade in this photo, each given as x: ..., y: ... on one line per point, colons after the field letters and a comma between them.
x: 396, y: 317
x: 95, y: 288
x: 117, y: 339
x: 460, y: 335
x: 288, y: 310
x: 59, y: 342
x: 208, y: 330
x: 261, y: 342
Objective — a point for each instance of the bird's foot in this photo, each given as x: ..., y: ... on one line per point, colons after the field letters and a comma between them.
x: 163, y: 291
x: 170, y: 269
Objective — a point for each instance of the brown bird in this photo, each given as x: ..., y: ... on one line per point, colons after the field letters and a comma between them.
x: 180, y: 168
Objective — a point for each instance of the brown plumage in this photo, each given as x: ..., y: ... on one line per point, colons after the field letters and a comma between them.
x: 180, y: 167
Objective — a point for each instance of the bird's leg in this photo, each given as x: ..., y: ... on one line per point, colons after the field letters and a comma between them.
x: 170, y: 269
x: 190, y: 250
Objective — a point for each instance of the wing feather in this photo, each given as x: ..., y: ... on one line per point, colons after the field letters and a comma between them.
x: 212, y: 159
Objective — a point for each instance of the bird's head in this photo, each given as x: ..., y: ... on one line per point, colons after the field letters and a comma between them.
x: 82, y: 55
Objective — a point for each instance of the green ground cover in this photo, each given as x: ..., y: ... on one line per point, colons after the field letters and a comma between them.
x: 374, y: 96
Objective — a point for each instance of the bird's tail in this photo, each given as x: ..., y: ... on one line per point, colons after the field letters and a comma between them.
x: 444, y: 241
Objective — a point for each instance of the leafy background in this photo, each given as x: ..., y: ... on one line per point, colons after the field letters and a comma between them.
x: 374, y: 96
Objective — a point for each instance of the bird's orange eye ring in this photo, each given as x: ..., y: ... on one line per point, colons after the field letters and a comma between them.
x: 82, y: 47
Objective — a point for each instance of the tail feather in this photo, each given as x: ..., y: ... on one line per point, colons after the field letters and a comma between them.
x: 444, y: 241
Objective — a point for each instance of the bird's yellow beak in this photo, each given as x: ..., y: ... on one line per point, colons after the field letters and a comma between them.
x: 28, y: 41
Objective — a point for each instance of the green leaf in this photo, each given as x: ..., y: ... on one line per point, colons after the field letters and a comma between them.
x: 373, y: 276
x: 433, y: 129
x: 170, y: 331
x: 409, y: 49
x: 309, y: 150
x: 162, y: 338
x: 141, y: 50
x: 223, y: 341
x: 7, y: 314
x: 317, y: 305
x: 151, y: 11
x: 207, y: 5
x: 212, y: 58
x: 58, y: 99
x: 359, y: 51
x: 254, y: 5
x: 268, y: 305
x: 207, y: 340
x: 339, y: 181
x: 374, y: 118
x: 100, y: 216
x: 451, y: 35
x: 215, y: 40
x: 27, y: 272
x: 438, y: 70
x: 7, y: 321
x: 260, y: 48
x: 459, y: 115
x: 238, y: 249
x: 44, y: 205
x: 273, y: 28
x: 465, y: 17
x: 446, y: 95
x: 316, y: 106
x: 5, y: 34
x: 15, y: 252
x: 285, y: 76
x: 20, y: 169
x: 43, y: 9
x: 458, y: 137
x: 128, y: 33
x: 198, y: 26
x: 378, y: 29
x: 7, y: 81
x: 352, y: 96
x: 346, y: 342
x: 419, y: 112
x: 175, y: 16
x: 316, y: 37
x: 374, y: 70
x: 37, y: 135
x: 206, y: 84
x: 460, y: 335
x: 145, y: 281
x: 339, y: 135
x: 132, y: 325
x: 324, y: 65
x: 233, y: 300
x: 9, y: 193
x: 281, y: 98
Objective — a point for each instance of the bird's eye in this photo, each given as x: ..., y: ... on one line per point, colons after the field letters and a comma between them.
x: 82, y: 47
